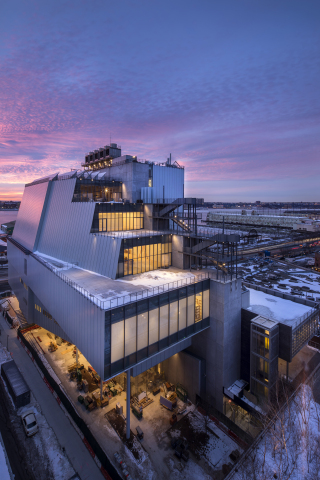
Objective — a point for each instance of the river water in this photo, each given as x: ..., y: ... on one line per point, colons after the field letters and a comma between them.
x: 7, y: 216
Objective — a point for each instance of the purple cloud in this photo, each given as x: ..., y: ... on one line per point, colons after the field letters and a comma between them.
x: 231, y: 91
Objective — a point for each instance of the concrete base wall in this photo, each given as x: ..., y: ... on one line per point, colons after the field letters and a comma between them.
x: 186, y: 369
x: 177, y: 247
x: 220, y: 345
x: 245, y: 299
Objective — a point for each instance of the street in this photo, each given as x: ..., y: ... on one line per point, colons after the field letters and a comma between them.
x: 67, y: 436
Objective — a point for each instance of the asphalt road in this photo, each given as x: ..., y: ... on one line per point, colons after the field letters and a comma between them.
x: 67, y: 436
x: 11, y: 442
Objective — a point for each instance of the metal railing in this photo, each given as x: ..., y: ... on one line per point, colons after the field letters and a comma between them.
x: 122, y: 162
x: 134, y: 233
x: 121, y: 300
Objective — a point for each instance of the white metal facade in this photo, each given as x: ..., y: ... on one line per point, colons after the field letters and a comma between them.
x: 28, y: 221
x: 79, y: 318
x: 65, y: 232
x: 167, y: 182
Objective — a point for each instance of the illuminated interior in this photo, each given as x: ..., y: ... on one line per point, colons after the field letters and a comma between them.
x: 118, y: 221
x: 144, y: 254
x: 147, y: 257
x: 140, y: 330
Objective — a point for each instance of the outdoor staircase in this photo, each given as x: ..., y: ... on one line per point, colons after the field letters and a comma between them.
x: 21, y: 318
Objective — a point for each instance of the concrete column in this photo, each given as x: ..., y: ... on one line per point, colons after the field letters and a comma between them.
x: 287, y: 370
x: 220, y: 345
x: 128, y: 405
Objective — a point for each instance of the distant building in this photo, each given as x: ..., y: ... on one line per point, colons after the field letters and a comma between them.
x: 8, y: 227
x: 255, y: 219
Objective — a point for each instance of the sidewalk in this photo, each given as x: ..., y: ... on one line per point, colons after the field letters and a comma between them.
x: 77, y: 452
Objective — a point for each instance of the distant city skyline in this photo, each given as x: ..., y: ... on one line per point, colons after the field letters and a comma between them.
x: 229, y: 88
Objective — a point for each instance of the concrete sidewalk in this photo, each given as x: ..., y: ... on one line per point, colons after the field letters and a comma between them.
x: 68, y: 438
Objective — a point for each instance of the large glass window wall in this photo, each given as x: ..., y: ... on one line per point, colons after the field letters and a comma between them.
x: 144, y: 328
x: 304, y: 332
x: 119, y: 221
x: 117, y: 217
x: 94, y: 190
x: 144, y: 254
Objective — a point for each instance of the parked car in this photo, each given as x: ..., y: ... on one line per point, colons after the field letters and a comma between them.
x: 29, y: 423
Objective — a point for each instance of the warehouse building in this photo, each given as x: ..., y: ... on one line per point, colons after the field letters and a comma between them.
x: 280, y: 221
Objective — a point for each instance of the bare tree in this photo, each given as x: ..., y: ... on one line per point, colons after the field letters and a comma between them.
x: 288, y: 445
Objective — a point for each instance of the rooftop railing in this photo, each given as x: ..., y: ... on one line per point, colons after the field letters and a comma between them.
x: 121, y: 300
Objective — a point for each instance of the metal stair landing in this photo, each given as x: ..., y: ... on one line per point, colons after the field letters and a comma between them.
x: 21, y: 318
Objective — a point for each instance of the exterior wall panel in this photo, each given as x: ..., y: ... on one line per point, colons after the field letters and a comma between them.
x: 28, y: 220
x: 81, y: 320
x: 171, y: 178
x: 66, y: 233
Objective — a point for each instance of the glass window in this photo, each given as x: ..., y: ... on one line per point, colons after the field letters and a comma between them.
x: 153, y: 326
x: 117, y: 341
x: 164, y: 321
x: 173, y: 317
x: 190, y: 310
x: 182, y: 313
x: 130, y: 335
x: 146, y: 257
x: 206, y: 304
x: 198, y: 307
x: 142, y: 339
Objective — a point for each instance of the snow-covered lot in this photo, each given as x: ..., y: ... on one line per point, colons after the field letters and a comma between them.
x: 290, y: 448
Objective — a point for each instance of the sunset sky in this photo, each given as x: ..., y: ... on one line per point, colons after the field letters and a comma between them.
x: 230, y: 88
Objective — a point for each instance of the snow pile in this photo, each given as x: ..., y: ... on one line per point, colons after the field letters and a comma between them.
x: 276, y: 308
x: 4, y: 354
x: 157, y: 278
x: 290, y: 448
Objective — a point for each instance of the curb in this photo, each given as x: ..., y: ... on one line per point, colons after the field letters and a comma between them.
x: 55, y: 395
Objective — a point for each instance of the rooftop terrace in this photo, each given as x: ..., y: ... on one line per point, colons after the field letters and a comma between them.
x: 108, y: 293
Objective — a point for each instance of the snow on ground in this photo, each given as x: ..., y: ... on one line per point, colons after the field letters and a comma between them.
x: 276, y: 308
x: 4, y: 354
x: 158, y: 277
x: 290, y: 448
x: 45, y: 440
x: 48, y: 446
x: 4, y: 462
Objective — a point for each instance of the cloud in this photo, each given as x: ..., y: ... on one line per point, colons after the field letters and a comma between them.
x: 233, y: 101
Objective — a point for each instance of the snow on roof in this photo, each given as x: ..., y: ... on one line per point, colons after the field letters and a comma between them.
x: 132, y: 233
x: 109, y: 293
x: 276, y: 308
x: 157, y: 277
x: 237, y: 386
